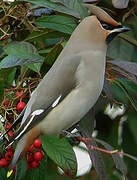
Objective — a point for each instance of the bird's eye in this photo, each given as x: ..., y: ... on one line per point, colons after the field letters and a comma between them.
x: 105, y: 26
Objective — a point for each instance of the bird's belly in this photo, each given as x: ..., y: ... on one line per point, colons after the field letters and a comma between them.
x: 59, y: 120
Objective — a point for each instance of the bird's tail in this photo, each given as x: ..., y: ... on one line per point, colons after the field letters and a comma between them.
x: 23, y: 145
x: 18, y: 151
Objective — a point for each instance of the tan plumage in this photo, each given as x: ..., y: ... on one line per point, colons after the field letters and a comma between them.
x: 78, y: 72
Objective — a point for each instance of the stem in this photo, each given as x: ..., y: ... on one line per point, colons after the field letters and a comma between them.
x: 86, y: 140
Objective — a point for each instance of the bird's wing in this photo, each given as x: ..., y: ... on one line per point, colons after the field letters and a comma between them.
x: 34, y: 118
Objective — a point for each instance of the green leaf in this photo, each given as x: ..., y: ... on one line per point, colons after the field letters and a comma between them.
x: 118, y: 94
x: 55, y: 7
x: 117, y: 49
x: 132, y: 120
x: 61, y: 152
x: 19, y: 48
x: 21, y: 169
x: 20, y: 53
x: 130, y: 85
x: 53, y: 54
x: 11, y: 76
x: 1, y: 88
x: 76, y: 5
x: 60, y: 23
x: 134, y: 104
x: 3, y: 174
x: 41, y: 36
x: 20, y: 59
x: 129, y: 145
x: 35, y: 67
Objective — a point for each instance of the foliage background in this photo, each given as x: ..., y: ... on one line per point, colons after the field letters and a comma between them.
x: 31, y: 38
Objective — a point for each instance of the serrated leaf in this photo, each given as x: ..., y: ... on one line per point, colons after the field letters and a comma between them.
x: 20, y: 53
x: 21, y: 168
x: 60, y: 23
x: 19, y: 48
x: 61, y: 152
x: 20, y: 59
x: 120, y: 165
x: 55, y: 7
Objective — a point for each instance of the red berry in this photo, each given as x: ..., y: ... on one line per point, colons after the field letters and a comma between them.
x: 34, y: 164
x: 38, y: 155
x: 8, y: 125
x: 3, y: 162
x: 18, y: 94
x: 21, y: 95
x: 10, y: 133
x: 37, y: 143
x: 20, y: 106
x: 30, y: 157
x: 9, y: 155
x: 10, y: 149
x: 6, y: 103
x: 31, y: 148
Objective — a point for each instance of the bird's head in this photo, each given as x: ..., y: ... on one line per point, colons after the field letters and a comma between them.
x: 102, y: 24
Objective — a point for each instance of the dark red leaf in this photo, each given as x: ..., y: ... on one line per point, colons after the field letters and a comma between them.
x: 117, y: 159
x: 130, y: 67
x: 95, y: 156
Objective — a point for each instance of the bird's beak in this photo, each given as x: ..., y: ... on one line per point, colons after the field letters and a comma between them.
x: 116, y: 31
x: 120, y: 29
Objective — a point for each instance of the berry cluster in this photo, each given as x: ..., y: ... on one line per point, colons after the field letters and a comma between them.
x: 34, y: 155
x: 19, y: 107
x: 6, y: 158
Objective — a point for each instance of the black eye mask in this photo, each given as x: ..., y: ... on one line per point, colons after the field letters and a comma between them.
x: 109, y: 26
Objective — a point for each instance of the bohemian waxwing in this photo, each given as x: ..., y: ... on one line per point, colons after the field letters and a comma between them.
x: 72, y: 85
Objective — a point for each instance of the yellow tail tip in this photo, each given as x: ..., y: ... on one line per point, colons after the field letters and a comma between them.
x: 9, y: 173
